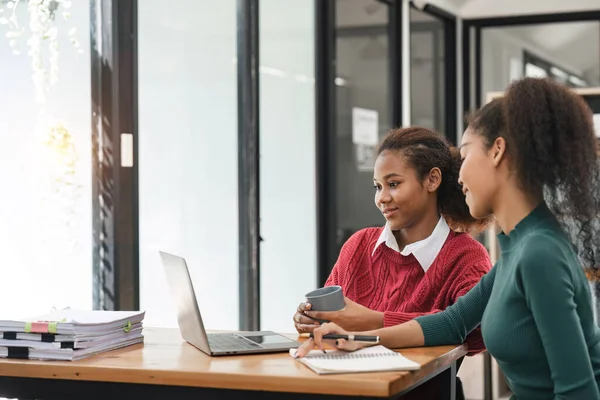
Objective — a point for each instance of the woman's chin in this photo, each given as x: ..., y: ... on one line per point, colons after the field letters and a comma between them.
x: 476, y: 213
x: 395, y: 225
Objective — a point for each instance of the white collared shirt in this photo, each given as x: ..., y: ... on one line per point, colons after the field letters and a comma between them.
x: 425, y: 251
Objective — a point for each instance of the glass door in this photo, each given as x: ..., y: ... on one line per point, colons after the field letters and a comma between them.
x: 362, y: 112
x: 427, y: 71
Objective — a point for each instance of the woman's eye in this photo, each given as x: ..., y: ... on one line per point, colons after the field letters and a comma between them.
x: 376, y: 187
x: 394, y: 184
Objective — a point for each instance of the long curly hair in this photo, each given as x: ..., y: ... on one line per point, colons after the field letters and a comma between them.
x: 551, y: 143
x: 424, y: 150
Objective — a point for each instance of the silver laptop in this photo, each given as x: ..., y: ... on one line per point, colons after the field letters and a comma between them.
x: 192, y: 328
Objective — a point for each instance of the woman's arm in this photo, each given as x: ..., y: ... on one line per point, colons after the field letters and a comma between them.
x: 447, y: 327
x: 452, y: 325
x: 466, y: 274
x: 340, y: 275
x: 473, y: 339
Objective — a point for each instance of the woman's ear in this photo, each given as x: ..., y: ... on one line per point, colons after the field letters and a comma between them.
x: 498, y: 150
x: 434, y: 180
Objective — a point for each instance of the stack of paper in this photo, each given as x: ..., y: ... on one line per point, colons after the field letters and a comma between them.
x: 70, y: 334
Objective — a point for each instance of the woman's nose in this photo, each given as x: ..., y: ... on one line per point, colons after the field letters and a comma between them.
x: 383, y: 197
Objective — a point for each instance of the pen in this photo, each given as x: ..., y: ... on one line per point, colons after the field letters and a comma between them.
x: 356, y: 338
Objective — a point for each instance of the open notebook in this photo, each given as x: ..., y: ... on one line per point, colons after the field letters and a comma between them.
x: 369, y: 359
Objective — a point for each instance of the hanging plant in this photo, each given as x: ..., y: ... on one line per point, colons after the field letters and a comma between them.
x: 42, y: 40
x: 60, y: 156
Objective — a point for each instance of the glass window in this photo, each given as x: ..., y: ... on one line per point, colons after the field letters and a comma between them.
x: 363, y: 96
x: 559, y: 75
x: 533, y: 71
x: 576, y: 81
x: 287, y: 159
x: 427, y: 70
x: 45, y: 160
x: 188, y: 186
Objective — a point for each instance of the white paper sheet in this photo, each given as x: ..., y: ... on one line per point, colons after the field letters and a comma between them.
x: 597, y: 124
x: 365, y: 126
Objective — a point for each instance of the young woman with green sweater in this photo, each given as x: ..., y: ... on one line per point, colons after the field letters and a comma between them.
x: 528, y: 159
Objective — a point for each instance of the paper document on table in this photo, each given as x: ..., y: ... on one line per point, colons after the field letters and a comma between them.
x: 66, y: 354
x: 75, y: 322
x: 70, y: 334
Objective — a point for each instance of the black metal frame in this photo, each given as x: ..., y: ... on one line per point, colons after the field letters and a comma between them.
x: 466, y: 67
x: 478, y: 77
x: 114, y: 186
x: 248, y: 164
x: 531, y: 19
x: 325, y: 106
x: 395, y: 62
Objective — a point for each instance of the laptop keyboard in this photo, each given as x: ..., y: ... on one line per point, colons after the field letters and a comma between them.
x: 221, y: 342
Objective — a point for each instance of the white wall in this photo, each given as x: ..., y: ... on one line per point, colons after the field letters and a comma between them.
x: 287, y: 163
x: 188, y: 155
x: 45, y: 262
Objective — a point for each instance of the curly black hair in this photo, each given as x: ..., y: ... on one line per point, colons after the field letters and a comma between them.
x: 551, y: 143
x: 424, y: 150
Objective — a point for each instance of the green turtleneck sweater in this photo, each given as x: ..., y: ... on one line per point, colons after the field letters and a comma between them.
x: 535, y: 311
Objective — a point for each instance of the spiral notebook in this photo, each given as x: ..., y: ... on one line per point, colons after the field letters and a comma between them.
x: 369, y: 359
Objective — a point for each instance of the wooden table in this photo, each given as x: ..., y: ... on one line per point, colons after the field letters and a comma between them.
x: 166, y: 367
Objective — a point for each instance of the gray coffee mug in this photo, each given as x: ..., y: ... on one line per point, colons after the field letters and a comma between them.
x: 329, y: 298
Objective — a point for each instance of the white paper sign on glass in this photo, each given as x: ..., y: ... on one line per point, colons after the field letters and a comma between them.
x: 597, y: 124
x: 365, y: 126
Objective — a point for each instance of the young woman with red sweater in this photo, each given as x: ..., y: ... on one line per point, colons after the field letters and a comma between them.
x: 423, y: 259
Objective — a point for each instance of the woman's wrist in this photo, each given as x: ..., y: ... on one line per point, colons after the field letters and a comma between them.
x: 376, y: 320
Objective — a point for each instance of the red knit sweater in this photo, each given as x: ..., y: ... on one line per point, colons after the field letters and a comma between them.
x: 396, y: 285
